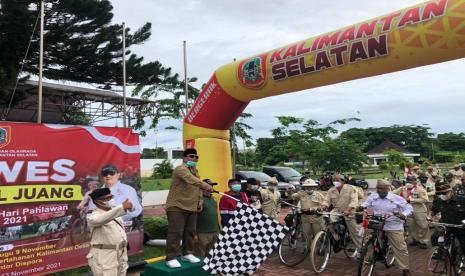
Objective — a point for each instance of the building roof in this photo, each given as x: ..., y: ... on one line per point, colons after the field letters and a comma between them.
x: 387, y: 145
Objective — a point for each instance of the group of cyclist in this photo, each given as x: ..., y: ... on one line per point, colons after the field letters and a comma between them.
x: 411, y: 206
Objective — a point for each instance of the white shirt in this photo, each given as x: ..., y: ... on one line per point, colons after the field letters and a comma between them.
x: 121, y: 192
x: 389, y: 205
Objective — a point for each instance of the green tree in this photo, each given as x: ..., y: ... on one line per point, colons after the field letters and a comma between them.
x: 81, y: 44
x: 163, y: 169
x: 451, y: 141
x: 156, y: 153
x: 395, y: 161
x: 339, y: 155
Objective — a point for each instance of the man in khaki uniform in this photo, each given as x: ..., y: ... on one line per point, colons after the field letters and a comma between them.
x: 384, y: 202
x: 450, y: 179
x: 430, y: 188
x: 108, y: 245
x: 310, y: 200
x: 344, y: 199
x: 416, y: 171
x: 271, y: 198
x: 417, y: 223
x: 182, y: 204
x: 457, y: 173
x: 432, y: 174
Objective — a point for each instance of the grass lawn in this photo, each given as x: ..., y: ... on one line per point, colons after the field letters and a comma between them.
x: 149, y: 252
x: 152, y: 184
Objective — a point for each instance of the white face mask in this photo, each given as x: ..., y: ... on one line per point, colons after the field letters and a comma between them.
x: 111, y: 203
x: 254, y: 187
x: 337, y: 184
x: 409, y: 186
x: 444, y: 197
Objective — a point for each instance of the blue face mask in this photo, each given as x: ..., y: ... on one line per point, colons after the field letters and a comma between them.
x: 191, y: 164
x: 236, y: 187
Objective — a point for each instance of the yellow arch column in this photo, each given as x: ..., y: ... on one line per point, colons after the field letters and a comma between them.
x: 423, y: 34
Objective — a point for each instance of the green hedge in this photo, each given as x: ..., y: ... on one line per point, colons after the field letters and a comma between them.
x: 157, y: 227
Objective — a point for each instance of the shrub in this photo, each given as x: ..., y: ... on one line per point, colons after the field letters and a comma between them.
x: 157, y: 227
x: 163, y: 170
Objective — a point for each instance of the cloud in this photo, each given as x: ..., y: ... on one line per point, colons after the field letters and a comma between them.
x: 219, y: 31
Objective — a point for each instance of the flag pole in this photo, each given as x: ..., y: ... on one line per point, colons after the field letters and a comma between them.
x: 124, y: 75
x: 41, y: 62
x: 186, y: 91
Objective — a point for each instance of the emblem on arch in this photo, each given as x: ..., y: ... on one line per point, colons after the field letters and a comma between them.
x: 5, y: 136
x: 251, y: 72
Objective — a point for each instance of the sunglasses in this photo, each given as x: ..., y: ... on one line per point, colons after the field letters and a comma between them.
x: 192, y: 156
x: 442, y: 193
x: 107, y: 197
x: 108, y: 172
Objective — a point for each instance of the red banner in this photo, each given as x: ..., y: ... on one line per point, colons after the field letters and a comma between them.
x: 46, y: 173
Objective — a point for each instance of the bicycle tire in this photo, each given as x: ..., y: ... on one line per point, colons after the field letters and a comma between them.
x: 389, y: 258
x: 438, y: 262
x: 316, y: 250
x: 292, y: 252
x: 459, y: 260
x: 350, y: 250
x: 367, y: 259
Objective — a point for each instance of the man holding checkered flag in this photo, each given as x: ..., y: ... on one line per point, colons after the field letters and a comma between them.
x: 245, y: 243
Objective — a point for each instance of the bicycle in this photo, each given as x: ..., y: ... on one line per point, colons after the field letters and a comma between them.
x: 334, y: 236
x: 294, y: 247
x: 376, y: 248
x: 446, y: 258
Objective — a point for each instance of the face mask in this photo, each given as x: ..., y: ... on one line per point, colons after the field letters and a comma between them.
x: 337, y: 184
x: 271, y: 188
x: 309, y: 191
x: 191, y: 164
x: 382, y: 194
x: 409, y: 186
x: 236, y: 187
x: 444, y: 197
x: 111, y: 203
x: 254, y: 187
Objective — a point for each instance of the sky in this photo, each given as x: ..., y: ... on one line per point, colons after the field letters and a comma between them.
x: 219, y: 31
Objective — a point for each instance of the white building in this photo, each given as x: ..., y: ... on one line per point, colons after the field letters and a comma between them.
x: 376, y: 155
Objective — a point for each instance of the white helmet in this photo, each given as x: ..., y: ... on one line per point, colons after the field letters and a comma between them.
x: 309, y: 183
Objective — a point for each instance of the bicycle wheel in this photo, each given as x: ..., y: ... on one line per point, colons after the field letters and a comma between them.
x: 459, y: 260
x: 350, y: 250
x: 320, y: 251
x: 389, y: 259
x: 438, y: 262
x: 293, y: 248
x: 366, y: 263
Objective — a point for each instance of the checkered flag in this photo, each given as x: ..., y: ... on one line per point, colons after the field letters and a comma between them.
x: 245, y: 243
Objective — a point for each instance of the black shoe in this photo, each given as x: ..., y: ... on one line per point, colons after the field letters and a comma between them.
x: 406, y: 272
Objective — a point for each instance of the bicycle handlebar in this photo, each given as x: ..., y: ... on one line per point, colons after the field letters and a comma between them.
x: 446, y: 224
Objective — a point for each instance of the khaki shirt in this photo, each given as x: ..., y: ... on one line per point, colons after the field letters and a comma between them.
x: 271, y: 202
x: 346, y: 198
x: 185, y: 188
x: 418, y: 197
x: 457, y: 174
x: 103, y: 227
x: 311, y: 202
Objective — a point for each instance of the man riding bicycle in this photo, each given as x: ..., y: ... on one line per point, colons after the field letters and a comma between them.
x: 385, y: 202
x: 452, y: 209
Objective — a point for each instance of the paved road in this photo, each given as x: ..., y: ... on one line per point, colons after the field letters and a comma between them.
x: 338, y: 265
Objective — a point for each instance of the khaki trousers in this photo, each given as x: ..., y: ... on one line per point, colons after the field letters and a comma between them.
x: 418, y: 227
x: 205, y: 242
x: 399, y: 248
x: 108, y: 262
x: 181, y: 227
x: 354, y: 229
x: 311, y: 226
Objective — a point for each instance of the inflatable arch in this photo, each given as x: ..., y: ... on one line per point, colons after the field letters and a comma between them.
x: 427, y: 33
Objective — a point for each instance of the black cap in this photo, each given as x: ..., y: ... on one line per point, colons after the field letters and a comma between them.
x: 109, y: 169
x: 252, y: 181
x: 99, y: 193
x: 189, y: 151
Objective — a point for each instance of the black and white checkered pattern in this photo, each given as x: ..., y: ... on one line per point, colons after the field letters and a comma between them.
x: 245, y: 243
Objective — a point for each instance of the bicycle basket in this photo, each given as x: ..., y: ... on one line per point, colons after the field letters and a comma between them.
x: 289, y: 220
x: 375, y: 222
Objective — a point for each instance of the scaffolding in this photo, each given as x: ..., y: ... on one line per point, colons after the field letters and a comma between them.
x: 58, y: 99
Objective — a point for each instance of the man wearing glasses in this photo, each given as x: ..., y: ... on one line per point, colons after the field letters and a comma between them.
x: 121, y: 191
x: 182, y: 204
